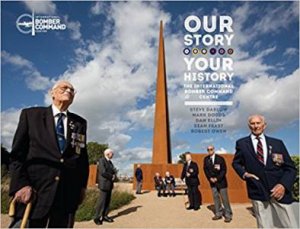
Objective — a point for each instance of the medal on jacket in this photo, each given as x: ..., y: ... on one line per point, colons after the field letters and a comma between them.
x: 277, y: 159
x: 78, y: 142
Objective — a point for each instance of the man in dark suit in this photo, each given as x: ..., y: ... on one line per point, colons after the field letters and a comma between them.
x: 139, y: 179
x: 49, y: 161
x: 190, y: 174
x: 215, y: 171
x: 266, y: 166
x: 107, y: 176
x: 170, y: 184
x: 159, y: 184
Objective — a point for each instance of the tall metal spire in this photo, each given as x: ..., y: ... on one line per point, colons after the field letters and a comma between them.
x: 161, y: 152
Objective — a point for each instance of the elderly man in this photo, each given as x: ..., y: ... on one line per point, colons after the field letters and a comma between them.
x: 215, y: 171
x: 159, y: 184
x: 266, y: 166
x: 49, y: 161
x: 170, y: 184
x: 190, y: 174
x: 106, y: 178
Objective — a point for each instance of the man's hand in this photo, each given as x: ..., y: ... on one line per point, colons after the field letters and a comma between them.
x: 24, y: 194
x: 250, y: 175
x: 278, y: 191
x: 188, y: 174
x: 213, y: 179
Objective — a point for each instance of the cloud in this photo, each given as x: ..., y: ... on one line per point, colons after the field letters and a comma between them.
x: 98, y: 8
x: 9, y: 122
x: 291, y: 52
x: 276, y: 99
x: 221, y: 151
x: 33, y: 78
x: 41, y: 7
x: 73, y: 27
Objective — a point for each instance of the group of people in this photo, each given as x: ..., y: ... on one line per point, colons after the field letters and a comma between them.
x: 49, y: 164
x: 166, y: 185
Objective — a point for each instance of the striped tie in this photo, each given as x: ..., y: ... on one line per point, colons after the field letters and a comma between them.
x: 260, y: 151
x: 60, y: 132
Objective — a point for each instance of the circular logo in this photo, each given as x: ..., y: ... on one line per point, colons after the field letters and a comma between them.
x: 24, y: 23
x: 186, y: 51
x: 195, y: 51
x: 230, y: 51
x: 212, y: 51
x: 204, y: 51
x: 221, y: 51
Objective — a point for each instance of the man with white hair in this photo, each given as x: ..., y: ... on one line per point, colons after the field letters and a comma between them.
x: 106, y: 178
x: 50, y: 161
x: 266, y: 166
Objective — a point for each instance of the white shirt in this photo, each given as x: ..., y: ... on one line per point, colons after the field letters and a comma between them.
x: 264, y: 145
x: 56, y: 111
x: 213, y: 158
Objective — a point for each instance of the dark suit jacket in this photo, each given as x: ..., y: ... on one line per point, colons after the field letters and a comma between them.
x: 38, y: 162
x: 217, y: 170
x: 139, y: 174
x: 158, y: 181
x: 170, y: 179
x: 107, y: 172
x: 193, y: 179
x: 272, y: 173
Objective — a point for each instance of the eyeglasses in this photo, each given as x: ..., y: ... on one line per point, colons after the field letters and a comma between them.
x: 68, y: 89
x: 210, y: 149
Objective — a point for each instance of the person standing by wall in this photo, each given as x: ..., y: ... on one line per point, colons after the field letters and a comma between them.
x: 139, y: 179
x: 215, y: 172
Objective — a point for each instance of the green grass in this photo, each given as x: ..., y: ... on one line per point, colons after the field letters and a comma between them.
x: 86, y: 210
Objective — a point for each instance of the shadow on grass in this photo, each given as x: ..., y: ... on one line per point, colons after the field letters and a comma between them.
x: 126, y: 211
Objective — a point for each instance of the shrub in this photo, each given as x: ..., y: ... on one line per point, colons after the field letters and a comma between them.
x: 86, y: 210
x: 296, y: 184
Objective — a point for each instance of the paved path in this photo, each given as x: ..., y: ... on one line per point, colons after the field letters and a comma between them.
x: 149, y: 211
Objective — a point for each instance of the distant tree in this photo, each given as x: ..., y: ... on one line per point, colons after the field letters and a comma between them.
x: 4, y: 161
x: 181, y: 159
x: 95, y: 151
x: 296, y: 184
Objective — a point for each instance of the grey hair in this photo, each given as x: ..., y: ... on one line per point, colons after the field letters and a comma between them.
x: 107, y: 151
x: 257, y: 115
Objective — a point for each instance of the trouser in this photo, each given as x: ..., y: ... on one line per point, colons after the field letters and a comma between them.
x: 159, y: 188
x: 217, y: 202
x: 103, y: 204
x: 194, y: 196
x: 271, y: 214
x: 139, y: 186
x: 170, y: 187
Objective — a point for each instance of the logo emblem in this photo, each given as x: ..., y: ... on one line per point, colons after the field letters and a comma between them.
x: 25, y: 24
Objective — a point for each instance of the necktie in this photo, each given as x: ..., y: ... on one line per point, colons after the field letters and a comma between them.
x: 211, y: 160
x: 60, y: 133
x: 260, y: 151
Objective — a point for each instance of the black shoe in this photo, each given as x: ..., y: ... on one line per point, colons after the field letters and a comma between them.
x: 227, y: 220
x: 190, y: 208
x: 216, y: 217
x: 196, y: 209
x: 98, y: 221
x: 108, y: 219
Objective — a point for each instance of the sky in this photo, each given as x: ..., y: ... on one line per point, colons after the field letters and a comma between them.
x: 108, y: 51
